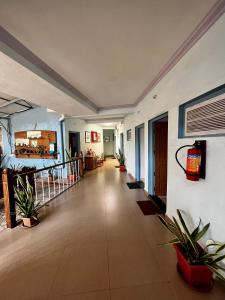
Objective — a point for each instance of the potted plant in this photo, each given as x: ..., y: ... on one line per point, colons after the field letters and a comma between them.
x: 26, y: 203
x: 121, y: 159
x: 195, y: 264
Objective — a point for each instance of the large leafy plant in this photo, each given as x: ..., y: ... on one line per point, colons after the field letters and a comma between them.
x: 25, y: 199
x: 188, y: 242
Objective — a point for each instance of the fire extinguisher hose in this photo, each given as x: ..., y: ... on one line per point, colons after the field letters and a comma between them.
x: 178, y: 150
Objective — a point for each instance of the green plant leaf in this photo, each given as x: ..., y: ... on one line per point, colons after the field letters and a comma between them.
x: 196, y: 230
x: 192, y: 242
x: 220, y: 248
x: 216, y: 272
x: 222, y: 257
x: 202, y: 232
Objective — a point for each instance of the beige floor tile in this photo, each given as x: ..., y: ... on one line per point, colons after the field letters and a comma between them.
x: 132, y: 263
x: 87, y: 231
x: 83, y: 269
x: 121, y: 228
x: 154, y: 291
x: 103, y: 295
x: 30, y: 277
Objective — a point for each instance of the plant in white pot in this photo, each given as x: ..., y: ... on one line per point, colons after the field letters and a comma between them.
x: 26, y: 202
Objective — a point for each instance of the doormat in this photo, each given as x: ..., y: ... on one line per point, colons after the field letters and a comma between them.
x: 148, y: 207
x: 159, y: 203
x: 117, y: 166
x: 135, y: 185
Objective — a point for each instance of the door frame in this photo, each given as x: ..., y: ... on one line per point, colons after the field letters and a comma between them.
x: 77, y: 132
x: 138, y: 151
x: 151, y: 154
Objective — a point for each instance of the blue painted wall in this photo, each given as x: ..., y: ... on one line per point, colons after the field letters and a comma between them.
x: 35, y: 119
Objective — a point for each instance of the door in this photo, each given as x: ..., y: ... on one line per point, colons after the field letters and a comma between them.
x: 74, y: 143
x: 139, y: 153
x: 121, y: 143
x: 161, y: 146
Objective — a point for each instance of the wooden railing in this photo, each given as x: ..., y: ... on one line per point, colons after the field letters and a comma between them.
x: 47, y: 184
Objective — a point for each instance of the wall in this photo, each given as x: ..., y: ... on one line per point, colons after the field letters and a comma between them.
x: 199, y: 71
x: 74, y: 124
x: 109, y: 146
x: 35, y: 119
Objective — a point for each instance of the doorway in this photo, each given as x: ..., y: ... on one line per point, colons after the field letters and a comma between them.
x: 140, y: 153
x: 74, y: 143
x: 122, y: 143
x: 158, y: 157
x: 108, y: 139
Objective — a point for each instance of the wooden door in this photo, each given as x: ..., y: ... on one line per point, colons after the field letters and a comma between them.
x: 161, y: 146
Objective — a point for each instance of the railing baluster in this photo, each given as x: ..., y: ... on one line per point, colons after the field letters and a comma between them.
x: 59, y: 189
x: 63, y: 179
x: 49, y: 190
x: 42, y: 186
x: 35, y: 186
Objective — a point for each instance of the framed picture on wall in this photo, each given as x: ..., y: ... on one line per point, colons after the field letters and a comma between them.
x: 94, y: 137
x: 99, y: 137
x: 129, y: 135
x: 87, y: 137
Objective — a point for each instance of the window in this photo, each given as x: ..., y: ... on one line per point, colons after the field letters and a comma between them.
x: 204, y: 115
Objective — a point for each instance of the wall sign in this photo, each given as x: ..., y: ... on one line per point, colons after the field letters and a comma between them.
x: 94, y: 137
x: 36, y: 144
x: 129, y: 135
x: 87, y: 137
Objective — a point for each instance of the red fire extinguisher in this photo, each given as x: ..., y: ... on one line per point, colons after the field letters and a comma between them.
x: 195, y: 166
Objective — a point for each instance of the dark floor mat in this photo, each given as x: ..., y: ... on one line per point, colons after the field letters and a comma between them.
x: 117, y: 166
x: 159, y: 203
x: 135, y: 185
x: 148, y: 207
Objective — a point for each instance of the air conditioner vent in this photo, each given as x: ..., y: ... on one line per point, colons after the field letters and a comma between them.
x: 206, y: 118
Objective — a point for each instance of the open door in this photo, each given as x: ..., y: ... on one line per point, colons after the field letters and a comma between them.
x: 160, y: 153
x: 74, y: 143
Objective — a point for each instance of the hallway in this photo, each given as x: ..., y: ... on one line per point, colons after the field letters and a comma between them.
x: 93, y: 243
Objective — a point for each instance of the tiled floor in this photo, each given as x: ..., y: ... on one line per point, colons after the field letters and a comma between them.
x: 93, y: 243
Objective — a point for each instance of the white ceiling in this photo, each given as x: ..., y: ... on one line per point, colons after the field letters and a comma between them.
x: 109, y: 50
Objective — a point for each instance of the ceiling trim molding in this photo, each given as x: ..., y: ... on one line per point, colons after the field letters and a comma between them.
x: 13, y: 48
x: 117, y: 106
x: 217, y: 10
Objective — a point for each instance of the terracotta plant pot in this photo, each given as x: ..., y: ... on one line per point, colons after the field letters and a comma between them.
x: 72, y: 178
x: 122, y: 168
x: 50, y: 178
x: 196, y: 275
x: 30, y: 222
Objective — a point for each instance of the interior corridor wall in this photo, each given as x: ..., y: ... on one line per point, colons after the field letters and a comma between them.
x: 35, y: 119
x: 199, y: 71
x: 74, y: 124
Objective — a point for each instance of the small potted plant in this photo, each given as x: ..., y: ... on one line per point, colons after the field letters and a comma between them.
x: 195, y: 264
x: 26, y: 203
x: 121, y: 159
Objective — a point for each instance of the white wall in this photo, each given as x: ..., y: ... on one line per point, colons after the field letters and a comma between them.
x: 200, y: 70
x: 74, y: 124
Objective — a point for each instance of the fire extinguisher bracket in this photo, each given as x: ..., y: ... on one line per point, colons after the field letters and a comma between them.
x: 196, y: 157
